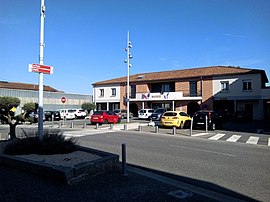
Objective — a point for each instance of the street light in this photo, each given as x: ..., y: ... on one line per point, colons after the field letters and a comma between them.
x: 129, y: 56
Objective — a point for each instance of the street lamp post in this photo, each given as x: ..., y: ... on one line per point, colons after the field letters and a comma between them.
x: 41, y: 62
x: 129, y: 56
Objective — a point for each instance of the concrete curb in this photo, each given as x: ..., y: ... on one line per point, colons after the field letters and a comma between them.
x: 65, y: 174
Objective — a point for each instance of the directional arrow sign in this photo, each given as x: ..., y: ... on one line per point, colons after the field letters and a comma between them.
x: 40, y: 68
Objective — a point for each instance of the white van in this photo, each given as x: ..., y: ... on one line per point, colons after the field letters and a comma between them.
x: 67, y: 113
x: 145, y: 113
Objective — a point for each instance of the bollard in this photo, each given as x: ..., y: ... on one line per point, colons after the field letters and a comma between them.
x: 125, y: 127
x: 174, y: 130
x: 124, y: 163
x: 111, y: 126
x: 72, y: 125
x: 191, y: 125
x: 52, y: 120
x: 139, y: 128
x: 96, y: 125
x: 84, y: 125
x: 206, y: 124
x: 60, y: 125
x: 156, y: 129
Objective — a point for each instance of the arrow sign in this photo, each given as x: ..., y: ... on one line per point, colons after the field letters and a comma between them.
x: 40, y: 68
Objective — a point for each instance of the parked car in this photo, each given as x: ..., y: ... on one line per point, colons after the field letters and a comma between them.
x: 177, y: 119
x: 214, y: 119
x: 67, y: 113
x: 122, y: 113
x: 52, y: 115
x: 35, y: 116
x: 80, y: 114
x: 156, y: 115
x: 145, y: 113
x: 101, y: 117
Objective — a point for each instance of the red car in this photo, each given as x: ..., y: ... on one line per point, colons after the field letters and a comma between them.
x: 101, y: 117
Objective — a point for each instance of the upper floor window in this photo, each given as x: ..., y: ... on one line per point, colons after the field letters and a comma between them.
x: 224, y: 86
x: 101, y: 92
x: 193, y: 88
x: 133, y: 91
x: 247, y: 85
x: 113, y: 91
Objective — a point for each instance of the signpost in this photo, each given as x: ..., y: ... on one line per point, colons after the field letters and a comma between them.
x: 64, y: 100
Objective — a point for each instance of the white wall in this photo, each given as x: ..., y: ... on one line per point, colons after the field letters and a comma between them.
x: 107, y: 94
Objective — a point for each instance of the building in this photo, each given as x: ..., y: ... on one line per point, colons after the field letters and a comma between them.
x: 52, y: 97
x: 223, y: 88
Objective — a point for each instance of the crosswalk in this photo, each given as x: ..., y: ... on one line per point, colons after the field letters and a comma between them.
x: 253, y: 140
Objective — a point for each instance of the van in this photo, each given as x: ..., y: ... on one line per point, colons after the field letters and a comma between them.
x: 145, y: 113
x: 67, y: 113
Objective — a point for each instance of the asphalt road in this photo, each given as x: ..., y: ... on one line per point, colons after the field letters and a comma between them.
x: 241, y: 168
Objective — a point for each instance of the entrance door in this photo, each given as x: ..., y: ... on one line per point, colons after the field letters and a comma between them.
x: 249, y: 110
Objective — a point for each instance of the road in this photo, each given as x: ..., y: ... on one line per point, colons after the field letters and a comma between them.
x: 238, y: 167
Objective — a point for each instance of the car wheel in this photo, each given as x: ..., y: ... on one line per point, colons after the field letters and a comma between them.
x: 106, y: 121
x: 118, y: 120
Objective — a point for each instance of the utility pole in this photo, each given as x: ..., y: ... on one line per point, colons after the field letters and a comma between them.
x: 41, y: 62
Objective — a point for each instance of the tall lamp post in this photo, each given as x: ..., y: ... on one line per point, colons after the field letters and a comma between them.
x: 41, y: 62
x: 129, y: 56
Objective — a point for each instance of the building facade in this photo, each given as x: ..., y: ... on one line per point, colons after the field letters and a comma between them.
x: 52, y: 97
x: 222, y: 88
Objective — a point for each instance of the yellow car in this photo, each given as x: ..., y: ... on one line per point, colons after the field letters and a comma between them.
x: 175, y: 119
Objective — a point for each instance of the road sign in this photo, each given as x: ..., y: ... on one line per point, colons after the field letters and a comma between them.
x: 40, y: 68
x: 63, y: 99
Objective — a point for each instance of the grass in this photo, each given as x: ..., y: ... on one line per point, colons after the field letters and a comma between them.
x: 52, y: 143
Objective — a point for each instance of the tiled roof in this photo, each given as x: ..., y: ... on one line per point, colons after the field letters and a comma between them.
x: 25, y: 86
x: 180, y: 74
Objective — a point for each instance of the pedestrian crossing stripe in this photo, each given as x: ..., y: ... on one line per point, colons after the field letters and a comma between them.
x: 199, y: 134
x: 252, y: 140
x: 217, y: 136
x: 268, y: 141
x: 233, y: 138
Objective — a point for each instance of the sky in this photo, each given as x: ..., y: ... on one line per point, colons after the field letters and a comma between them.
x: 85, y: 39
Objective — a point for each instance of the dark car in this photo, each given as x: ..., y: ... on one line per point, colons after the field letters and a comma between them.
x: 52, y: 115
x: 156, y: 115
x: 101, y: 117
x: 214, y: 119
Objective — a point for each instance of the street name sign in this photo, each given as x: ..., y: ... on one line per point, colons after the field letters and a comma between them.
x: 40, y: 68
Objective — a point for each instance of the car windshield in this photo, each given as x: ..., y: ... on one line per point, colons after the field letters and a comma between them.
x: 159, y: 111
x: 98, y: 113
x: 117, y: 110
x: 170, y: 114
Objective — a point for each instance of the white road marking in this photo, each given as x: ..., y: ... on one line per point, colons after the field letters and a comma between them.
x: 233, y: 138
x: 268, y: 141
x: 252, y: 140
x: 202, y: 150
x: 217, y: 136
x: 199, y: 134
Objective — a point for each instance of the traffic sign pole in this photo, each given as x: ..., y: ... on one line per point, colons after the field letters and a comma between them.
x: 41, y: 61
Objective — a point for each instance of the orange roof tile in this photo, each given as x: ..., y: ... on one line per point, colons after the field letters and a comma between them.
x: 25, y: 86
x: 180, y: 74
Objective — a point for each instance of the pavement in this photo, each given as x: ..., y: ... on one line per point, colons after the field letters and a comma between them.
x: 136, y: 184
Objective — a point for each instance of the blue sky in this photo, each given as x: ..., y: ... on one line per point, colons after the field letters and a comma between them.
x: 85, y: 39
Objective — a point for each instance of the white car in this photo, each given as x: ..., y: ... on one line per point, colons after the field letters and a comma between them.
x: 80, y: 114
x: 67, y: 113
x: 145, y: 113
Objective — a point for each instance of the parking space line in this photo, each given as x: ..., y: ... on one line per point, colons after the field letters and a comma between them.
x: 217, y: 136
x: 233, y: 138
x: 252, y: 140
x: 199, y: 134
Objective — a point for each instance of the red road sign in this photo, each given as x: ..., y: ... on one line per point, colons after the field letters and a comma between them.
x: 63, y: 99
x: 40, y: 68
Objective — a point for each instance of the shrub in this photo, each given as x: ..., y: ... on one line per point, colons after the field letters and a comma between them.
x: 52, y: 143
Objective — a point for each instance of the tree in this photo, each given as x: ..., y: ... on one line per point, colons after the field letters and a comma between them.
x: 8, y: 107
x: 88, y: 106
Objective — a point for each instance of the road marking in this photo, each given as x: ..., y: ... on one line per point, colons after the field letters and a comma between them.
x: 268, y: 141
x: 252, y: 140
x: 217, y: 136
x: 202, y: 150
x: 199, y: 134
x: 233, y: 138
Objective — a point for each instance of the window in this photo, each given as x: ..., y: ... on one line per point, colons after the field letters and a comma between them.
x: 113, y: 91
x: 247, y: 85
x: 193, y: 88
x: 224, y: 86
x: 133, y: 91
x: 101, y: 92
